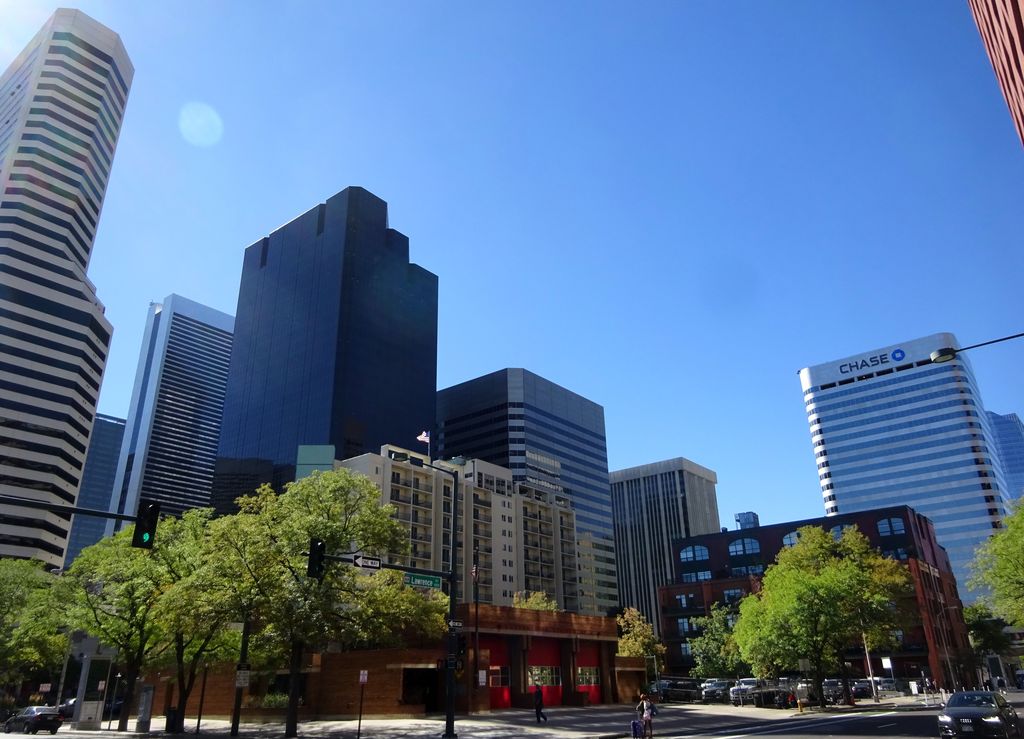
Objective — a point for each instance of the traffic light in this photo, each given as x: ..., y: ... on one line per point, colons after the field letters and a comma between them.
x: 461, y: 645
x: 317, y: 564
x: 145, y: 524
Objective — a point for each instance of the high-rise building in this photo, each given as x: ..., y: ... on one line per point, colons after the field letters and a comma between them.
x: 516, y: 537
x: 1008, y: 434
x: 550, y: 438
x: 335, y: 344
x: 61, y: 105
x: 655, y: 504
x: 170, y: 445
x: 1002, y: 29
x: 889, y: 427
x: 97, y: 484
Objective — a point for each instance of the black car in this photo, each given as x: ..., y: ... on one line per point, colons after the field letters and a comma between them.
x: 34, y: 718
x: 978, y: 713
x: 681, y: 691
x: 717, y: 691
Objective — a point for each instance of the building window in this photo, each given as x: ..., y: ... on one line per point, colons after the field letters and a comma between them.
x: 696, y: 576
x: 790, y: 539
x: 683, y: 625
x: 545, y: 675
x: 744, y: 546
x: 498, y: 677
x: 891, y: 527
x: 693, y: 554
x: 588, y: 676
x: 897, y: 553
x: 837, y: 531
x: 732, y: 595
x: 684, y: 649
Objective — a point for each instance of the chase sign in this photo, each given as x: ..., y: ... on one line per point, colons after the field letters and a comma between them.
x: 875, y: 360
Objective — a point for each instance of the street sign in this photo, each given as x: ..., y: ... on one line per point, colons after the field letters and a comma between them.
x: 367, y: 563
x: 886, y: 663
x: 242, y: 679
x: 362, y: 677
x: 44, y: 687
x: 482, y: 678
x: 423, y: 581
x: 453, y: 624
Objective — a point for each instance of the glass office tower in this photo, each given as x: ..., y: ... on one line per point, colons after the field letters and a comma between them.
x: 1008, y: 433
x: 889, y: 427
x: 552, y: 439
x: 335, y: 344
x: 62, y: 101
x: 97, y: 484
x: 170, y: 447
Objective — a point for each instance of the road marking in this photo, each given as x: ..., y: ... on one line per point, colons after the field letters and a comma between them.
x: 886, y: 726
x: 817, y: 722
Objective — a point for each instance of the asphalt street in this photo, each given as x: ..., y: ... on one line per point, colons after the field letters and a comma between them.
x: 905, y: 718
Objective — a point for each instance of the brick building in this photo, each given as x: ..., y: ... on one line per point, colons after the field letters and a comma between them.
x: 726, y: 566
x: 571, y: 656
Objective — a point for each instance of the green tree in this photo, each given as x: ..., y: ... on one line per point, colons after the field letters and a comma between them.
x: 998, y: 567
x: 27, y: 643
x: 536, y: 600
x: 714, y: 649
x: 111, y: 593
x: 295, y: 611
x: 822, y: 596
x: 987, y: 633
x: 637, y: 639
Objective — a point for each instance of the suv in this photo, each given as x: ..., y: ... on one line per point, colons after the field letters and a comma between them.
x: 744, y: 691
x: 716, y: 692
x: 683, y: 690
x: 833, y: 689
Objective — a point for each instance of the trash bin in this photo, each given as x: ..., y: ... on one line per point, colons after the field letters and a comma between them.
x: 171, y: 724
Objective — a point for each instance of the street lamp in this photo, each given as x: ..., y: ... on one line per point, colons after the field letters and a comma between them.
x: 449, y: 723
x: 948, y: 353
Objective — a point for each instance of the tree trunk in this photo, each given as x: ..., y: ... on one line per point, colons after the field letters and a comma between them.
x: 131, y: 673
x: 291, y: 728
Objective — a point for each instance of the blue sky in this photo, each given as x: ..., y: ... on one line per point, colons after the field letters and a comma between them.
x: 667, y: 207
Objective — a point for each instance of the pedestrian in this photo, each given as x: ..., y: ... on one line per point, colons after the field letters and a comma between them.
x: 538, y: 704
x: 646, y: 710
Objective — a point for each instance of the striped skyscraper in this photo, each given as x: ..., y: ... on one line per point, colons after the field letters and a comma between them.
x: 889, y: 427
x: 61, y: 105
x: 170, y: 444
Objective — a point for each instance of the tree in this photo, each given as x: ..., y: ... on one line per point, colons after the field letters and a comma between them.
x: 714, y: 649
x: 295, y: 611
x: 637, y: 639
x: 537, y: 600
x: 27, y: 643
x: 998, y: 567
x: 188, y: 611
x: 111, y: 592
x: 822, y: 595
x: 987, y: 632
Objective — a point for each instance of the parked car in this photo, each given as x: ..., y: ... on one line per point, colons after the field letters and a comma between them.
x: 744, y: 691
x: 684, y: 690
x: 833, y: 689
x: 861, y: 689
x: 34, y: 718
x: 717, y: 692
x: 978, y: 713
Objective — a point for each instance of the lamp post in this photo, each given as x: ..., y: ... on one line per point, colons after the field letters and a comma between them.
x: 449, y: 723
x: 948, y: 353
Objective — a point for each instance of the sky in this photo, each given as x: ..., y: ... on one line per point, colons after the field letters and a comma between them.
x: 666, y: 207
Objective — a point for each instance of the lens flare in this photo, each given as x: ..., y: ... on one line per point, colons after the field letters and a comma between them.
x: 200, y: 124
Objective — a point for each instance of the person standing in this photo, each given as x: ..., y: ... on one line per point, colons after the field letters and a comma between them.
x: 538, y: 704
x: 646, y: 710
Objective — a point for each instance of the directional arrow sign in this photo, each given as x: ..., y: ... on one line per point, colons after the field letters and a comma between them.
x: 453, y: 624
x: 367, y: 563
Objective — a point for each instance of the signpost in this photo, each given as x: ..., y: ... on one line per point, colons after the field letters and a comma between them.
x: 363, y: 676
x: 454, y: 624
x: 367, y: 563
x: 422, y: 581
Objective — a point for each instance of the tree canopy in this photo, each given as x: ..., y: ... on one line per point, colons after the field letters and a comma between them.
x: 536, y: 600
x: 714, y: 649
x: 636, y: 637
x: 999, y: 568
x: 822, y: 595
x: 25, y: 644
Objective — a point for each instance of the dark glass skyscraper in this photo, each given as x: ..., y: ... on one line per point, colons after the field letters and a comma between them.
x: 1008, y: 435
x: 551, y: 438
x: 335, y: 343
x: 97, y: 484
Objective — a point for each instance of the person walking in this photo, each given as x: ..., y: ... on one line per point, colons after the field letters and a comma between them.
x: 538, y: 704
x: 646, y: 710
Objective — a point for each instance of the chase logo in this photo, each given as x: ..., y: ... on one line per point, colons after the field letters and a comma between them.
x: 898, y: 355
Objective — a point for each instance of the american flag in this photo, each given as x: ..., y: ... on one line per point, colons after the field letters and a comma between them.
x: 474, y: 573
x: 424, y: 437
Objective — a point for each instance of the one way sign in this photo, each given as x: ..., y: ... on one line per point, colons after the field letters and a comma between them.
x: 367, y: 563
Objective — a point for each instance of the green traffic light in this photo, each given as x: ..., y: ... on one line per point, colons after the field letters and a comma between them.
x: 145, y: 536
